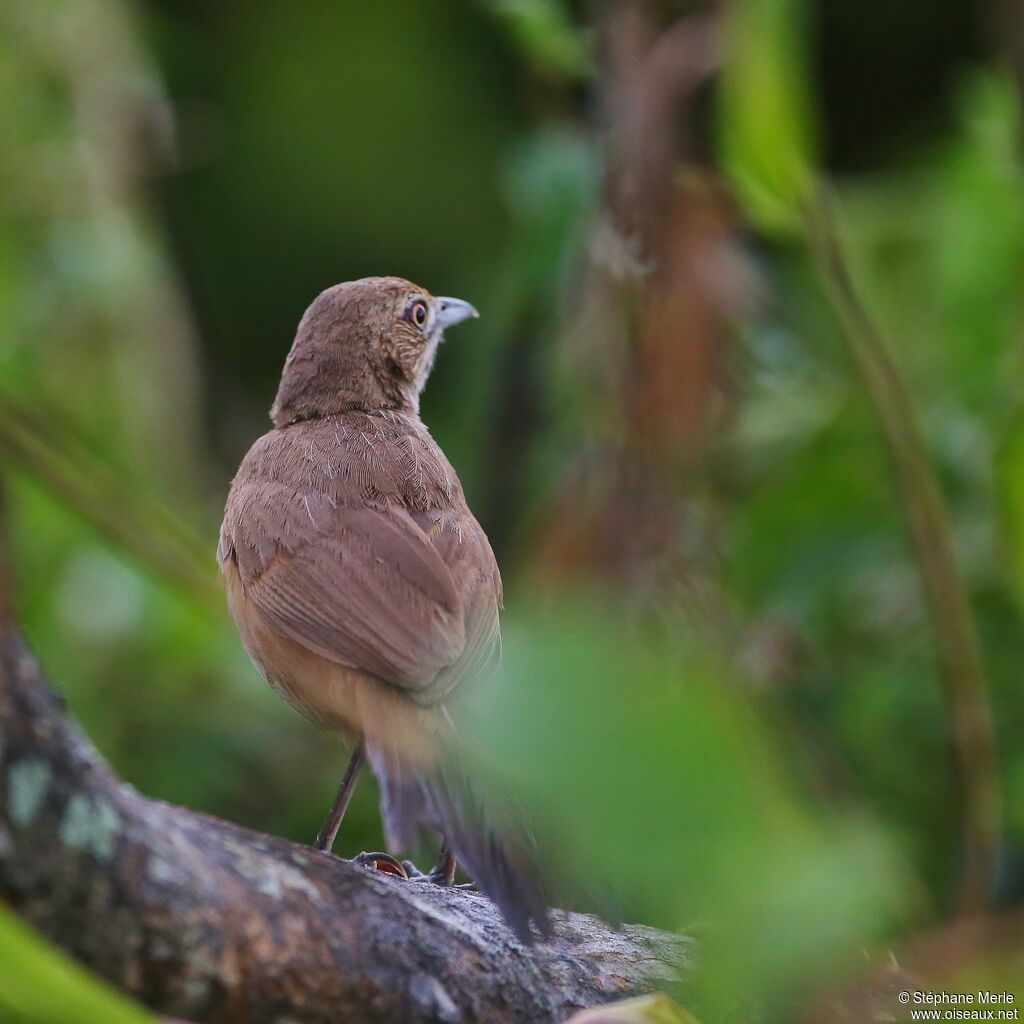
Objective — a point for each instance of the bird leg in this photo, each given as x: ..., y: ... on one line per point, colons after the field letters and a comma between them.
x: 443, y: 872
x: 329, y: 831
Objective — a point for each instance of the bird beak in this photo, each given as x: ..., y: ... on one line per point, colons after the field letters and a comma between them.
x: 453, y: 311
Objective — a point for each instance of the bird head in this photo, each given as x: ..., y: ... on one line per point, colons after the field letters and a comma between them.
x: 364, y: 345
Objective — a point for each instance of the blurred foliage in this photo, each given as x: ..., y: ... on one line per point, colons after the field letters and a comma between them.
x: 546, y: 34
x: 39, y: 985
x: 178, y: 179
x: 614, y: 734
x: 766, y: 120
x: 656, y: 1009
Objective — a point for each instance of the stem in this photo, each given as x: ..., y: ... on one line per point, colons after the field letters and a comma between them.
x: 113, y: 506
x: 931, y: 541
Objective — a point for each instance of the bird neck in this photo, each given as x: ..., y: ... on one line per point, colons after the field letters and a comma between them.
x: 328, y: 386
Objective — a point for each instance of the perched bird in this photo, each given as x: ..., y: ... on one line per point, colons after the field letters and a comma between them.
x: 364, y: 590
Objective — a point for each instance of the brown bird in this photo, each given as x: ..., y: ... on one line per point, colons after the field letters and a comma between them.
x: 364, y: 590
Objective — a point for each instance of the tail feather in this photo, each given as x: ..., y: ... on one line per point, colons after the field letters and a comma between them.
x: 499, y: 859
x: 403, y: 806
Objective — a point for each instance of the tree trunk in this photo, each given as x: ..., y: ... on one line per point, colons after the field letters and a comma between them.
x: 205, y: 920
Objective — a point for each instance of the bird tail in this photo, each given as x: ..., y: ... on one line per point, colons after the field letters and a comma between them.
x: 500, y: 859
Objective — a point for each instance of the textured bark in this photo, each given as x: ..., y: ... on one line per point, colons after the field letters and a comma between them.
x: 204, y: 920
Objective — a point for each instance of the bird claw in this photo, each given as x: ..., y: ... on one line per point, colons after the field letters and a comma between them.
x: 435, y: 876
x: 414, y: 874
x: 380, y: 861
x: 438, y: 877
x: 405, y: 869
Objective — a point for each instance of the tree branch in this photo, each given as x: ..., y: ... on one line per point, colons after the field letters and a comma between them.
x: 207, y: 921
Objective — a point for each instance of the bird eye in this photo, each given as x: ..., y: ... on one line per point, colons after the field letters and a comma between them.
x: 418, y: 313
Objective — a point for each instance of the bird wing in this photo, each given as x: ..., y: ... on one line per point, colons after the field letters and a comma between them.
x: 361, y: 586
x: 467, y: 553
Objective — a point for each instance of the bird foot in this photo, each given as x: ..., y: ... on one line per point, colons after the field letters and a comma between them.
x: 380, y: 861
x: 441, y: 874
x: 438, y: 875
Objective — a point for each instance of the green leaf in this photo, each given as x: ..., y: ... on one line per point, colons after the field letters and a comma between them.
x: 544, y: 32
x: 650, y: 769
x: 765, y: 122
x: 654, y: 1009
x: 40, y: 985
